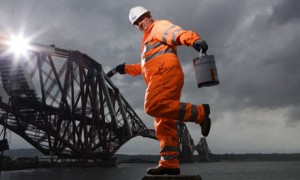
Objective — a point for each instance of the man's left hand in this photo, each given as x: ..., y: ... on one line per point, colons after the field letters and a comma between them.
x: 200, y: 44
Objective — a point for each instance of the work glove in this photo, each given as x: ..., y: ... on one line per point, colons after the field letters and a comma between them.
x: 200, y: 44
x: 121, y: 68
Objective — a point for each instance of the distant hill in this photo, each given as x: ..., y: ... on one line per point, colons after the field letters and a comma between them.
x: 22, y: 153
x: 255, y: 157
x: 214, y: 157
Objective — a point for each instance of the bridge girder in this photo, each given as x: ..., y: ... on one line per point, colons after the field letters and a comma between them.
x: 62, y: 103
x: 73, y: 109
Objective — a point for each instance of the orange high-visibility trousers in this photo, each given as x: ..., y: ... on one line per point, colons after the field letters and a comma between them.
x: 164, y: 79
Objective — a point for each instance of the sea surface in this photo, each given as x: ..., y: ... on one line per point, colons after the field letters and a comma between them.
x: 275, y: 170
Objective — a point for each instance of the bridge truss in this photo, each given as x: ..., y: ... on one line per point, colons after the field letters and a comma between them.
x: 63, y: 104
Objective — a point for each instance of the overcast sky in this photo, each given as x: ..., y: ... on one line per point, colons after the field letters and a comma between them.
x: 255, y: 109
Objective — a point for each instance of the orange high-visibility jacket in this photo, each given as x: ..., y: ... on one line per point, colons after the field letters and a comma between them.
x: 161, y: 39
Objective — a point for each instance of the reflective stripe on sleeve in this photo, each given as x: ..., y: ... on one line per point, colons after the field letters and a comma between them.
x: 174, y: 36
x: 164, y: 39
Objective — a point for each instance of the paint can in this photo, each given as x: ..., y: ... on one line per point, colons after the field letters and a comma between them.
x: 205, y: 70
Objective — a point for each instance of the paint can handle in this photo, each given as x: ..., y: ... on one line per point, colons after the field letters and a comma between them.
x: 200, y: 53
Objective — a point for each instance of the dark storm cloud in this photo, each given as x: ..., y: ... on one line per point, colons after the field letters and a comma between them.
x: 286, y: 11
x: 272, y: 84
x: 294, y: 115
x: 255, y: 44
x: 265, y: 74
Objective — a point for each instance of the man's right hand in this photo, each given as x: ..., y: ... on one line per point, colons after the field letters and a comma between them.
x: 121, y: 68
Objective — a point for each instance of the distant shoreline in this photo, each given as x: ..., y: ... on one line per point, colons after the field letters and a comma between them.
x: 214, y: 158
x: 31, y: 152
x: 18, y: 159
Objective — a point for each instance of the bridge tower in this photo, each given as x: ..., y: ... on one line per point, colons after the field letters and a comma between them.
x: 186, y: 143
x: 203, y: 150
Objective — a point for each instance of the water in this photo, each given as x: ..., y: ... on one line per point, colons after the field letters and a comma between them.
x: 275, y: 170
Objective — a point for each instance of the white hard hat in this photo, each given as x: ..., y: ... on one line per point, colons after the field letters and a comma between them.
x: 136, y: 12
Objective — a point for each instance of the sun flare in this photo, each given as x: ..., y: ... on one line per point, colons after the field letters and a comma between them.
x: 18, y: 45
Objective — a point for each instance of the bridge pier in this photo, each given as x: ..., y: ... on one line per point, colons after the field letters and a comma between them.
x: 173, y: 177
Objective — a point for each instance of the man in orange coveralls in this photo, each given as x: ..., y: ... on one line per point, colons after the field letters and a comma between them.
x: 163, y: 75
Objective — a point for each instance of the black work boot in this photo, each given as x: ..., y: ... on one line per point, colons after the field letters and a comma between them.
x: 159, y: 170
x: 205, y: 125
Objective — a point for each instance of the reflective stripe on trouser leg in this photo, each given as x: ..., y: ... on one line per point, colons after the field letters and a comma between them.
x: 168, y: 157
x: 182, y: 111
x: 169, y: 150
x: 187, y: 109
x: 194, y: 113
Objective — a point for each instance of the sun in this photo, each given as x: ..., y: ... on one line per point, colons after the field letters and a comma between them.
x: 19, y: 45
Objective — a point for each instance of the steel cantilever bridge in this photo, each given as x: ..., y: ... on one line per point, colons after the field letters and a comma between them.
x: 62, y: 103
